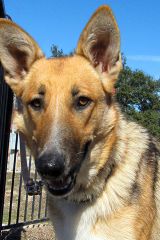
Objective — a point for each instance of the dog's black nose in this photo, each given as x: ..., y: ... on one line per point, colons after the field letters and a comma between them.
x: 50, y: 164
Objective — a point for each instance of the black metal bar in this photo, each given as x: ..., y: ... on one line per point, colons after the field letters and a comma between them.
x: 40, y: 205
x: 24, y: 167
x: 7, y: 227
x: 33, y: 201
x: 26, y: 201
x: 6, y: 100
x: 13, y: 178
x: 19, y: 197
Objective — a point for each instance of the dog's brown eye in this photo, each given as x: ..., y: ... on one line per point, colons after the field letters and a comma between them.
x: 83, y: 102
x: 36, y: 104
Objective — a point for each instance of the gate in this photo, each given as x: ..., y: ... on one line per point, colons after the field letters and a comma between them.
x: 20, y: 203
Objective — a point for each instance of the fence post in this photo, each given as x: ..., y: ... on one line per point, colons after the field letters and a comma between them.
x: 6, y: 100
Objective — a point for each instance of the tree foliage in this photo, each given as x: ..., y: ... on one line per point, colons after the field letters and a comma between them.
x: 137, y: 93
x: 56, y: 52
x: 139, y: 97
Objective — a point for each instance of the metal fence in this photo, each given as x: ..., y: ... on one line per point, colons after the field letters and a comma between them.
x: 23, y: 204
x: 20, y: 204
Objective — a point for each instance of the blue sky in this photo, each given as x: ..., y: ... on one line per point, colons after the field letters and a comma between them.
x: 61, y: 22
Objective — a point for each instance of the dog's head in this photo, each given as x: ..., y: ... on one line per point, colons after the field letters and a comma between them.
x: 67, y: 102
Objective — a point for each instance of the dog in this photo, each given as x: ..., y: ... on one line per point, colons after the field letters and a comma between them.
x: 101, y: 171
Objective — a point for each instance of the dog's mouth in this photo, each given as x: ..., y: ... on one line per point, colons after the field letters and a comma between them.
x: 61, y: 187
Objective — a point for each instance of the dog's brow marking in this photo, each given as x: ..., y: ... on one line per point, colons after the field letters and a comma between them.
x: 75, y: 91
x: 42, y: 89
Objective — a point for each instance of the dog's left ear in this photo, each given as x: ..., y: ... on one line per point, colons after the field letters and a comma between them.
x: 100, y: 44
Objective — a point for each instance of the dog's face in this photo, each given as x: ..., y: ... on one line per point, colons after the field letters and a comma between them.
x: 64, y: 103
x: 67, y: 102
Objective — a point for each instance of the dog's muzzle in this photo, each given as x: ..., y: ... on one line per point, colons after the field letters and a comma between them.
x: 59, y: 177
x: 51, y: 167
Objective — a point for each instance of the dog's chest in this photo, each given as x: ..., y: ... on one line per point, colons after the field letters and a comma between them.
x: 76, y: 223
x: 87, y: 222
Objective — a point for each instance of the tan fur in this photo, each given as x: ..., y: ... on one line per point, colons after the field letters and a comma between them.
x: 116, y: 195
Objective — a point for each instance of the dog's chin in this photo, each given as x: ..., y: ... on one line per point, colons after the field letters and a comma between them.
x: 61, y: 188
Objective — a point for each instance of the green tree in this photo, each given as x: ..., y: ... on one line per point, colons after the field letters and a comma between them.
x: 56, y: 52
x: 137, y: 93
x: 139, y: 97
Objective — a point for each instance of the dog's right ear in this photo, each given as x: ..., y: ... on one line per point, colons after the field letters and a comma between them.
x: 18, y: 51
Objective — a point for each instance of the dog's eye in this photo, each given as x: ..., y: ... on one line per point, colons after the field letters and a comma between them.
x: 83, y: 102
x: 36, y: 104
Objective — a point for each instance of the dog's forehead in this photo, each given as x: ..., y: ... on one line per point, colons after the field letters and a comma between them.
x: 60, y: 72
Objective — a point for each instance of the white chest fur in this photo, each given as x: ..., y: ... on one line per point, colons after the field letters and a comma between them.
x: 80, y: 222
x: 75, y: 222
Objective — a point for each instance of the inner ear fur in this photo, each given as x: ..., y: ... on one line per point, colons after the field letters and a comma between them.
x: 100, y: 44
x: 18, y: 51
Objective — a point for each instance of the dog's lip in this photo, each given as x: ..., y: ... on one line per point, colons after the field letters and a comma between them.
x: 61, y: 187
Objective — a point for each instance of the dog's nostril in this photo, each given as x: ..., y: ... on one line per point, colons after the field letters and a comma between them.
x: 50, y: 164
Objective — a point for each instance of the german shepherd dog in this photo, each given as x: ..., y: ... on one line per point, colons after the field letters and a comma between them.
x: 101, y: 171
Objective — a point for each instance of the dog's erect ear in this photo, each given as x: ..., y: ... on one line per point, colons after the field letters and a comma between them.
x: 100, y: 44
x: 18, y: 51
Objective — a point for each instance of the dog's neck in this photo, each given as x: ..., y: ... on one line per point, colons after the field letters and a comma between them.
x: 90, y: 193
